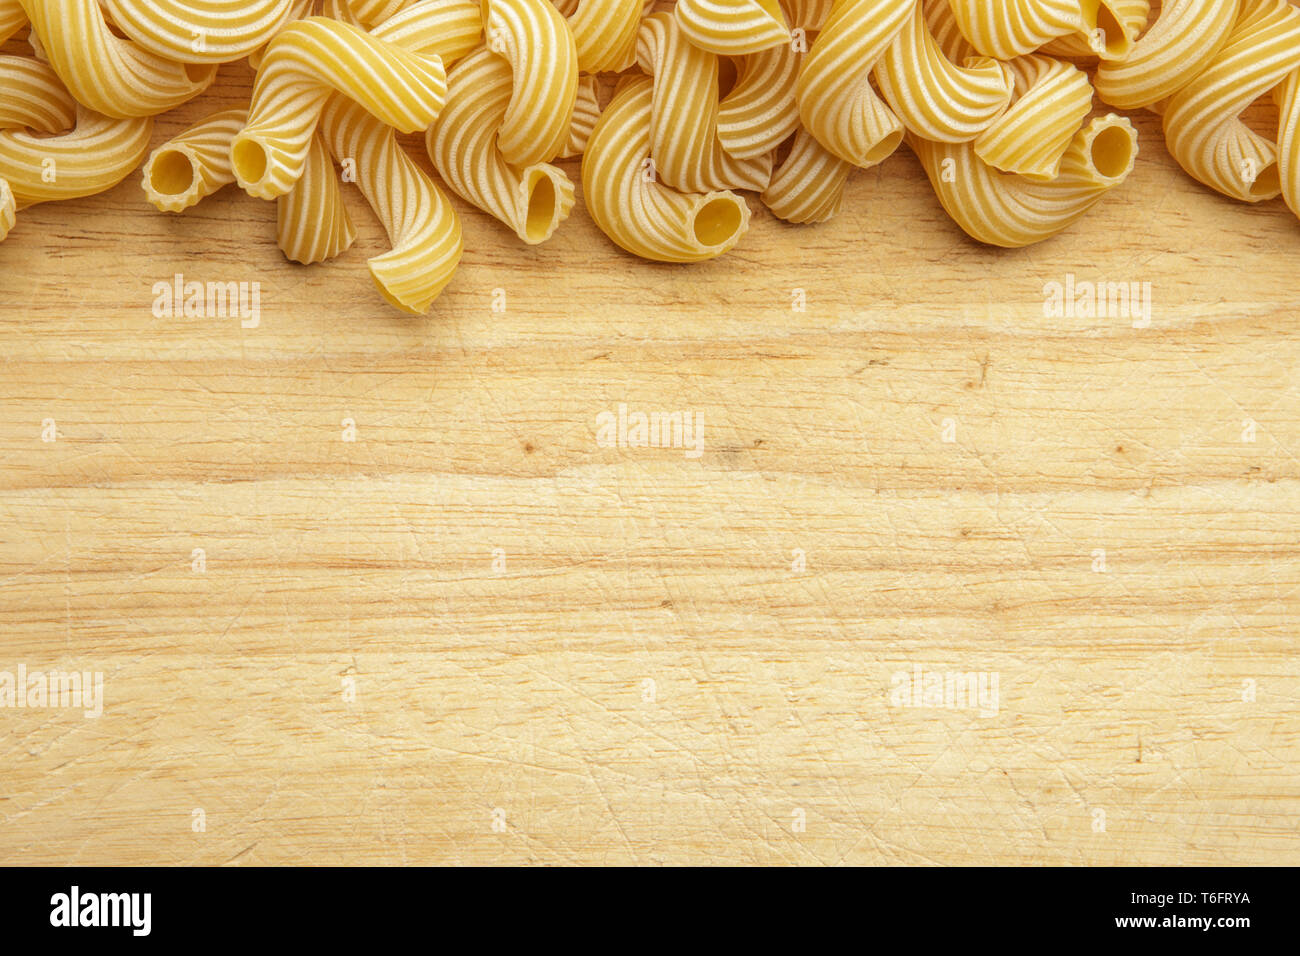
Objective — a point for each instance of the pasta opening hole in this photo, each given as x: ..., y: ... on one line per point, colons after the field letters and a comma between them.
x: 717, y: 221
x: 198, y: 72
x: 541, y: 209
x: 1268, y: 183
x: 1112, y: 151
x: 249, y: 159
x: 1112, y: 31
x: 885, y: 148
x: 171, y: 174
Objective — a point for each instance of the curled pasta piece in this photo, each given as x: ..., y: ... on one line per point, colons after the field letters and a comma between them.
x: 604, y: 32
x: 421, y: 224
x: 836, y: 101
x: 809, y: 185
x: 1053, y: 99
x: 760, y: 112
x: 531, y: 200
x: 732, y: 27
x: 1186, y: 36
x: 97, y: 154
x: 808, y: 15
x: 684, y: 143
x: 535, y: 38
x: 8, y: 210
x: 33, y: 97
x: 1203, y: 126
x: 585, y: 114
x: 933, y: 97
x: 200, y: 31
x: 311, y: 222
x: 1119, y: 24
x: 1008, y: 28
x: 12, y: 18
x: 106, y: 73
x: 193, y: 164
x: 1012, y: 211
x: 639, y: 213
x: 943, y: 27
x: 449, y: 28
x: 302, y: 68
x: 366, y: 14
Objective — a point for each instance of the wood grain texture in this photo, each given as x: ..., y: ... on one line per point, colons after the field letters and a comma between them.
x: 524, y: 688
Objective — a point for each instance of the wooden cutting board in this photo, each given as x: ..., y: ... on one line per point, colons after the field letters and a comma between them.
x: 366, y: 587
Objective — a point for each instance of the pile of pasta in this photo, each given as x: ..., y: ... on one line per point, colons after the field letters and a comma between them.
x: 677, y: 110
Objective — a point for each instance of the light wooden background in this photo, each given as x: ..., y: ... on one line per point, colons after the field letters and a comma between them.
x: 524, y: 689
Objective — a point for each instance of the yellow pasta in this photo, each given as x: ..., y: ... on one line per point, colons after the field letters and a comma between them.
x: 532, y: 200
x: 760, y: 112
x: 586, y: 112
x: 33, y: 97
x: 640, y: 213
x: 1008, y: 28
x: 1053, y: 98
x: 421, y: 224
x: 302, y: 67
x: 809, y: 185
x: 1003, y: 209
x: 1288, y: 139
x: 1118, y: 25
x: 685, y: 147
x: 836, y: 101
x: 450, y: 29
x: 604, y: 32
x: 200, y: 31
x: 95, y: 155
x: 12, y: 18
x: 1202, y: 122
x: 366, y: 14
x: 809, y: 15
x: 106, y: 73
x: 8, y: 210
x: 193, y: 164
x: 1186, y: 36
x: 732, y: 27
x: 311, y: 222
x: 536, y: 40
x: 933, y: 97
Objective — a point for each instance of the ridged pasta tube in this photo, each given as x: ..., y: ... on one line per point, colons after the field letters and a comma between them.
x: 366, y: 14
x: 836, y: 102
x: 12, y: 18
x: 8, y: 210
x: 604, y: 33
x: 200, y: 31
x: 193, y: 164
x: 1186, y: 36
x: 760, y: 112
x: 1053, y: 98
x: 684, y: 143
x: 97, y: 154
x: 33, y: 97
x: 635, y: 210
x: 1011, y: 211
x: 535, y: 38
x: 450, y: 29
x: 1118, y: 25
x: 531, y: 200
x: 586, y: 112
x: 1203, y: 126
x: 809, y: 185
x: 302, y: 68
x: 1008, y: 28
x: 106, y: 73
x: 733, y: 27
x: 933, y: 97
x: 420, y: 221
x: 311, y: 222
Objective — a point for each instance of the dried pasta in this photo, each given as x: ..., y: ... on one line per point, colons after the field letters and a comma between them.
x: 732, y: 27
x: 200, y: 31
x: 421, y: 224
x: 311, y: 222
x: 1003, y: 209
x: 1053, y: 98
x: 636, y: 210
x: 532, y: 200
x: 8, y: 209
x: 809, y: 185
x: 33, y: 97
x: 604, y: 34
x: 302, y: 67
x: 760, y: 112
x: 193, y: 164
